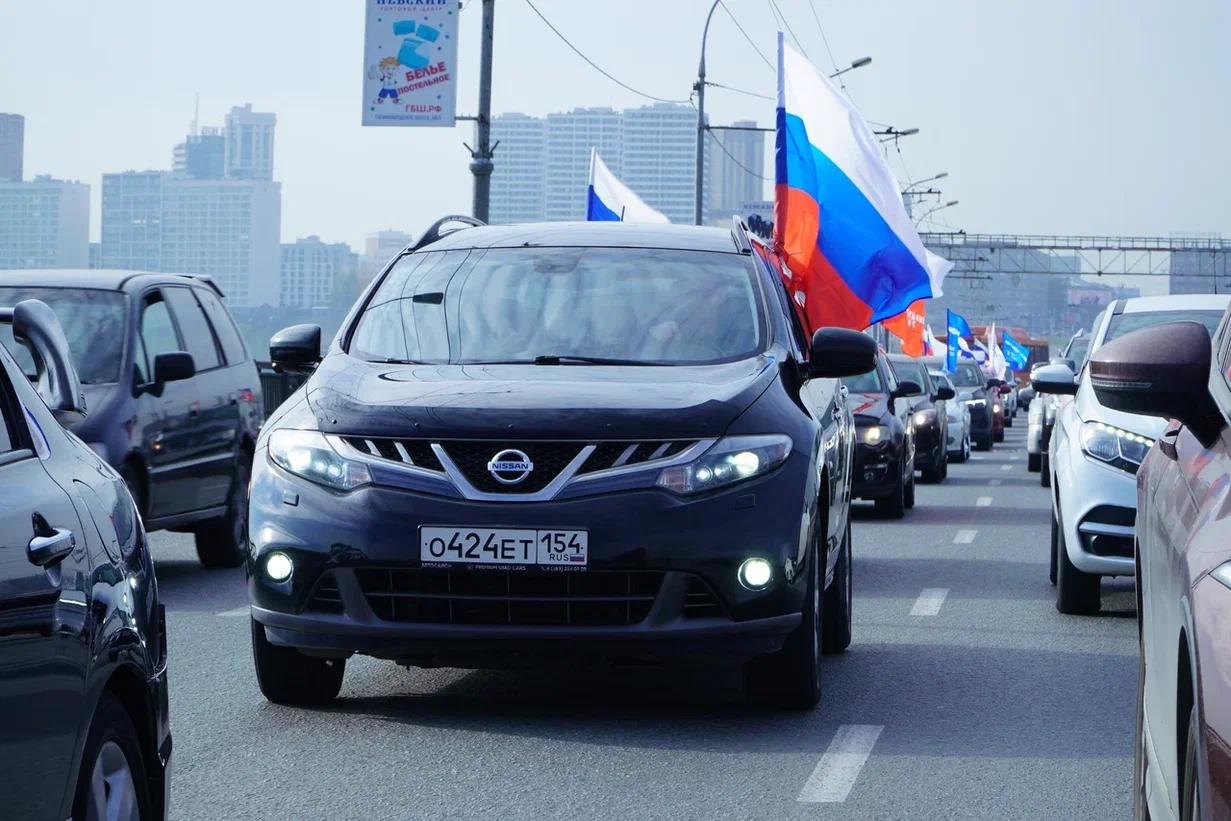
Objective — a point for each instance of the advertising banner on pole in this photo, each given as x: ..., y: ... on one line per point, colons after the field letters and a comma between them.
x: 410, y: 62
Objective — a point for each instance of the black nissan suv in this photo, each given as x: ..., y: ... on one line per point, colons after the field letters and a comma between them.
x: 174, y: 398
x: 557, y: 442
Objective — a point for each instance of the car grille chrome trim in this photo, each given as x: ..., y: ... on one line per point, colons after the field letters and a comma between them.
x: 686, y: 455
x: 471, y: 492
x: 1101, y: 529
x: 401, y: 449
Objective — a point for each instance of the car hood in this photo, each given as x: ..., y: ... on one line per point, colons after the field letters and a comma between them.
x: 349, y: 395
x: 868, y: 407
x: 1090, y: 410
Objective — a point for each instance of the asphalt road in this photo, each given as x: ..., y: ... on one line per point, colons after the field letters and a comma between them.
x: 964, y: 695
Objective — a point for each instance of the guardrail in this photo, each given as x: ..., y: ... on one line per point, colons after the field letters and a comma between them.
x: 276, y: 387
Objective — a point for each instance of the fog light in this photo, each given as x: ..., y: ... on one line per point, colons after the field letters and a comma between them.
x: 755, y: 573
x: 278, y: 566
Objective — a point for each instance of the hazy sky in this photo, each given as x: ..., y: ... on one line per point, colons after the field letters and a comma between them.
x: 1064, y: 116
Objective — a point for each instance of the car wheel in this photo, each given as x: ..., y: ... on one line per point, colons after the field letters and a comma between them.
x: 1190, y: 799
x: 133, y: 483
x: 1055, y: 536
x: 909, y: 497
x: 932, y: 474
x: 1044, y: 470
x: 1033, y: 462
x: 791, y: 678
x: 998, y: 436
x: 1141, y: 810
x: 893, y: 506
x: 1008, y: 421
x: 287, y: 676
x: 1077, y: 593
x: 836, y: 622
x: 984, y: 442
x: 112, y: 782
x: 944, y: 465
x: 222, y: 542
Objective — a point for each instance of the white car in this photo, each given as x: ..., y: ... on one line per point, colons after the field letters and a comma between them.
x: 957, y: 432
x: 1094, y: 454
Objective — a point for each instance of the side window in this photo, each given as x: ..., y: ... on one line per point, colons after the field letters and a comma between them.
x: 157, y: 331
x: 783, y: 298
x: 198, y: 338
x: 891, y: 380
x: 228, y: 335
x: 10, y: 412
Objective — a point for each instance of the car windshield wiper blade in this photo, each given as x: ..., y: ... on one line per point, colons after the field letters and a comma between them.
x: 593, y: 360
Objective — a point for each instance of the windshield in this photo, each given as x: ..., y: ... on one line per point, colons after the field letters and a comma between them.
x: 93, y: 322
x: 912, y: 371
x: 1122, y: 324
x: 968, y: 375
x: 869, y: 382
x: 1077, y: 350
x: 564, y: 306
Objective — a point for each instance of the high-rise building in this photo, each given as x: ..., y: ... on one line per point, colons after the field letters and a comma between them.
x: 379, y: 248
x: 229, y: 229
x: 518, y: 180
x: 201, y: 156
x: 570, y: 136
x: 12, y: 146
x: 660, y: 150
x: 44, y: 223
x: 310, y: 268
x: 736, y: 160
x: 249, y: 148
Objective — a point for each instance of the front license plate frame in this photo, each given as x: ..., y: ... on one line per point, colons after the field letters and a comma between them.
x: 561, y: 547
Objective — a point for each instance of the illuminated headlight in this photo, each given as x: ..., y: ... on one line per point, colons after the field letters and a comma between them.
x: 873, y: 434
x: 730, y: 460
x: 755, y: 573
x: 278, y: 566
x: 996, y: 408
x: 308, y: 454
x: 1114, y: 446
x: 924, y: 417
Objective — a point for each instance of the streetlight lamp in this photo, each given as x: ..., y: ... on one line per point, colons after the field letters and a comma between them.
x: 928, y: 213
x: 857, y: 63
x: 912, y: 185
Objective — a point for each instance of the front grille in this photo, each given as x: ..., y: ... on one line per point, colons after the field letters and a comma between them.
x: 326, y: 598
x: 417, y: 452
x: 509, y: 597
x: 1112, y: 515
x: 548, y: 458
x: 618, y: 454
x: 700, y: 603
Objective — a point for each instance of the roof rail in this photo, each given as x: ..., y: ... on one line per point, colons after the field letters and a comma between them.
x: 434, y: 232
x: 206, y: 279
x: 739, y: 235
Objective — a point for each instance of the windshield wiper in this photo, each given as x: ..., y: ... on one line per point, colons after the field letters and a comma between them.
x: 570, y: 360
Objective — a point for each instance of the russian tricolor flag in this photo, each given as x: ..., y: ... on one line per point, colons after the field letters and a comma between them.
x: 609, y: 200
x: 839, y: 222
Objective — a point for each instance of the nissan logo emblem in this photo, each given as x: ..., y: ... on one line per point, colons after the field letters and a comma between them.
x: 508, y: 467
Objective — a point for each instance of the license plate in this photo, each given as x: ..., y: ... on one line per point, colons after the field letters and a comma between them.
x: 498, y: 545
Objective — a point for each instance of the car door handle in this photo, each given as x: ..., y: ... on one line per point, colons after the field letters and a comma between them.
x: 49, y: 549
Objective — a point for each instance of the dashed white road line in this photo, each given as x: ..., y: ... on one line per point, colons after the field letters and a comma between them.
x: 929, y: 601
x: 983, y: 501
x: 965, y: 536
x: 994, y: 482
x: 238, y: 611
x: 839, y: 767
x: 1006, y: 467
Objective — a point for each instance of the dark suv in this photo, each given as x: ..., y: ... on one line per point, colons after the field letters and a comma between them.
x: 549, y: 442
x: 174, y: 399
x: 83, y: 662
x: 884, y: 438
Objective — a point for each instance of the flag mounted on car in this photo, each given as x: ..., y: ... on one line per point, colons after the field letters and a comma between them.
x: 958, y: 328
x: 839, y: 221
x: 908, y: 327
x: 1017, y: 354
x: 609, y: 200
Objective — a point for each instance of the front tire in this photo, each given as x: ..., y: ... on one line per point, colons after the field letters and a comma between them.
x: 1033, y: 462
x: 790, y: 679
x: 1055, y: 538
x: 1077, y: 593
x: 1044, y: 470
x: 1141, y: 810
x: 893, y: 506
x: 1190, y: 799
x: 984, y: 442
x: 836, y: 620
x: 222, y: 542
x: 287, y: 676
x: 909, y: 499
x: 112, y: 782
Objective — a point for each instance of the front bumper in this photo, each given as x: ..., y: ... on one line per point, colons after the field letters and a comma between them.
x: 878, y: 470
x: 980, y: 420
x: 687, y: 548
x: 929, y: 445
x: 1034, y: 436
x: 1098, y: 505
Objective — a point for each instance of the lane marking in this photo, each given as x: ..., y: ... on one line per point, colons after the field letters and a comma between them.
x: 995, y: 482
x: 983, y: 501
x: 929, y: 601
x: 238, y: 611
x: 839, y: 767
x: 965, y: 536
x: 1006, y: 467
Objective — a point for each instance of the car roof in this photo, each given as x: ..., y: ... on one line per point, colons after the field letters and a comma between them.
x: 901, y: 357
x: 106, y: 279
x: 588, y: 234
x: 1176, y: 302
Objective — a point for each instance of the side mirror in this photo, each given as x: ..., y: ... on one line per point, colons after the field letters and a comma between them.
x: 836, y: 352
x: 296, y: 349
x: 35, y: 325
x: 944, y: 392
x: 1058, y: 379
x: 906, y: 387
x: 1005, y: 390
x: 172, y: 366
x: 1162, y: 370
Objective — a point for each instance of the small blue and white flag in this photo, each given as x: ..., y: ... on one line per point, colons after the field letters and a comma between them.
x: 957, y: 328
x: 609, y: 200
x: 1015, y: 352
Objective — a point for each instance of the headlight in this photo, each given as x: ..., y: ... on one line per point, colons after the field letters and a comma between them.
x: 873, y: 434
x: 1114, y: 446
x: 308, y: 454
x: 996, y: 408
x: 924, y: 417
x: 1223, y: 573
x: 729, y: 461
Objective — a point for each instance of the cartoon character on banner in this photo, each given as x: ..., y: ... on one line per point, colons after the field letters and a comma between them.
x: 386, y: 71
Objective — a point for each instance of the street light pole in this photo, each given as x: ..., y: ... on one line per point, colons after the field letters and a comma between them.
x: 699, y: 181
x: 481, y: 156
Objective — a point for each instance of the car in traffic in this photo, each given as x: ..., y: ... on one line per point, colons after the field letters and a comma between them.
x: 1182, y: 561
x: 884, y: 470
x: 84, y: 730
x: 972, y: 391
x: 1096, y: 451
x: 957, y: 416
x: 1072, y: 357
x: 929, y: 416
x: 174, y: 397
x: 558, y: 443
